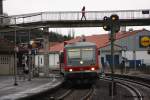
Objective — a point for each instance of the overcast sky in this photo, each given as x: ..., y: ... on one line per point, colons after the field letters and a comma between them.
x: 15, y: 7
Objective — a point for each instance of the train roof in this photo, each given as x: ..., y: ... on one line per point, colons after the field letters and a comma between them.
x: 79, y: 44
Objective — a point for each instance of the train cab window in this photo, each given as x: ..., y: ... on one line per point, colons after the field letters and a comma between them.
x: 87, y: 53
x: 74, y: 53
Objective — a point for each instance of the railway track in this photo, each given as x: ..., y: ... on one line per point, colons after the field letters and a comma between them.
x: 139, y: 90
x: 127, y: 89
x: 135, y: 93
x: 75, y: 93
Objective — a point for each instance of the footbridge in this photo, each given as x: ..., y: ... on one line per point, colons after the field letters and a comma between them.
x: 73, y: 19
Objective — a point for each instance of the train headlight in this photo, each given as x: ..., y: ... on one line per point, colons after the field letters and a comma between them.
x: 92, y: 68
x: 81, y: 62
x: 70, y: 70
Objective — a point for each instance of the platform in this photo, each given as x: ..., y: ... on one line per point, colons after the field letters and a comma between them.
x: 25, y: 88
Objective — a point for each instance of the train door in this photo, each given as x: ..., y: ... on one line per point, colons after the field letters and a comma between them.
x: 61, y: 64
x: 116, y: 59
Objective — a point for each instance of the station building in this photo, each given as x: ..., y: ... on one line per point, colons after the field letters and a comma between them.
x: 6, y: 57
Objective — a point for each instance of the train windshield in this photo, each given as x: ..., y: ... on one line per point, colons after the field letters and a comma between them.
x: 81, y: 56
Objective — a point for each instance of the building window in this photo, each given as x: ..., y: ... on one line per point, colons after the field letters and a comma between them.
x: 4, y: 60
x: 41, y: 61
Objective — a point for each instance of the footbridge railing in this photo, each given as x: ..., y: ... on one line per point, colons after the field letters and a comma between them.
x: 75, y: 16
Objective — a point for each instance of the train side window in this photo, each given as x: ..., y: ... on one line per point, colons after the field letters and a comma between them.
x: 62, y: 57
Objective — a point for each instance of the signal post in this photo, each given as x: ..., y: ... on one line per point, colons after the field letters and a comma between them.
x: 112, y: 24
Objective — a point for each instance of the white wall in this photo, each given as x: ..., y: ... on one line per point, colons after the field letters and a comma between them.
x: 140, y: 55
x: 54, y: 60
x: 39, y: 60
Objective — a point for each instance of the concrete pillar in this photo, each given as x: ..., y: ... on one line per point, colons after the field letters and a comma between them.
x: 1, y: 10
x: 1, y: 7
x: 46, y: 50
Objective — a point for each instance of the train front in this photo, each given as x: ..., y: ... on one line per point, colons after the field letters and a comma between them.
x: 81, y: 61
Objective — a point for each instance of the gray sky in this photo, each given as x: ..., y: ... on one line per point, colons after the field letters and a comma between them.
x: 15, y: 7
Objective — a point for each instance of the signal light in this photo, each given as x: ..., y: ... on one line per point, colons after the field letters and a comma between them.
x: 106, y: 23
x: 105, y: 18
x: 115, y: 22
x: 114, y: 17
x: 111, y: 23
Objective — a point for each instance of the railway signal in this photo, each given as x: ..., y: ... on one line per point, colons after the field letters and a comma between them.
x: 115, y: 24
x: 111, y: 23
x: 106, y: 23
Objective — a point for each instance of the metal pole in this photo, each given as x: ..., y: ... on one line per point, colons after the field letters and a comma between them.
x: 125, y: 61
x: 29, y: 60
x: 15, y: 70
x: 38, y: 69
x: 134, y: 53
x: 134, y: 57
x: 112, y: 58
x: 15, y: 59
x: 29, y: 65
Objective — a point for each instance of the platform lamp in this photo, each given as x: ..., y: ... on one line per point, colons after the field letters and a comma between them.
x: 29, y: 59
x: 16, y: 49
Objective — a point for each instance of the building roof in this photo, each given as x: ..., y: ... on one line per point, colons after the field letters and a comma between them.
x: 101, y: 40
x: 94, y: 38
x: 80, y: 44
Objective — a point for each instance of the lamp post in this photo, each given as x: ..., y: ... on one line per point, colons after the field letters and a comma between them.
x: 29, y: 60
x: 30, y: 57
x: 15, y: 65
x: 16, y: 49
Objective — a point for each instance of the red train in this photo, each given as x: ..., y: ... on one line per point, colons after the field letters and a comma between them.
x: 79, y: 61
